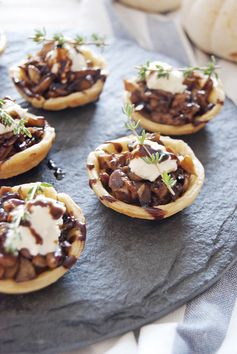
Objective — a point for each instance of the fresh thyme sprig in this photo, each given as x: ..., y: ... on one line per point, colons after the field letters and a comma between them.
x: 40, y: 36
x: 209, y: 70
x: 8, y: 121
x: 154, y: 158
x: 37, y: 189
x: 168, y: 181
x: 22, y: 215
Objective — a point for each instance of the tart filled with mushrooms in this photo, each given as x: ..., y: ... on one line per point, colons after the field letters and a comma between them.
x: 42, y: 234
x: 25, y: 139
x: 175, y: 101
x: 145, y: 176
x: 64, y: 73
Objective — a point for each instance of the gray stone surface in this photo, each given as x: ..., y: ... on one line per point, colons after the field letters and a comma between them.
x: 132, y: 271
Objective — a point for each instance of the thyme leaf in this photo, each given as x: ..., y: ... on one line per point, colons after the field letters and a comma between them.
x: 208, y: 70
x: 168, y: 181
x: 39, y: 36
x: 18, y: 125
x: 154, y: 158
x: 60, y: 40
x: 37, y: 189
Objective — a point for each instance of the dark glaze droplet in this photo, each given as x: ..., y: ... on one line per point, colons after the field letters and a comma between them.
x: 118, y: 147
x: 82, y: 228
x: 69, y: 262
x: 221, y: 102
x: 156, y: 213
x: 90, y: 166
x: 92, y: 181
x: 51, y: 165
x: 58, y: 172
x: 108, y: 198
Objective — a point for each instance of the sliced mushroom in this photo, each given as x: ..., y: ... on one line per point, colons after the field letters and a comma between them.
x: 7, y: 260
x: 43, y: 85
x: 34, y: 74
x: 39, y: 261
x: 10, y: 272
x: 26, y: 270
x: 51, y: 260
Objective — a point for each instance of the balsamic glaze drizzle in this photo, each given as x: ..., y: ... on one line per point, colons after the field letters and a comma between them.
x: 59, y: 173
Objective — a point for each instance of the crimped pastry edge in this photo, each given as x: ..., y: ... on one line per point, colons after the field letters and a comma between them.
x: 217, y: 97
x: 27, y: 159
x: 48, y: 277
x: 160, y: 211
x: 75, y: 99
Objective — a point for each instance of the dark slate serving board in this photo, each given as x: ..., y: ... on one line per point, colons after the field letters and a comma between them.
x: 132, y: 271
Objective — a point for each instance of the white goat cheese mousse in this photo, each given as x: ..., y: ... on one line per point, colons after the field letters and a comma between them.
x: 78, y: 60
x: 150, y: 172
x: 41, y: 232
x: 173, y: 84
x: 11, y: 107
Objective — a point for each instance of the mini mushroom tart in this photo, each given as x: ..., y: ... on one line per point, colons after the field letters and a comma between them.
x: 42, y: 234
x: 63, y: 74
x: 147, y: 177
x: 174, y: 101
x: 25, y: 139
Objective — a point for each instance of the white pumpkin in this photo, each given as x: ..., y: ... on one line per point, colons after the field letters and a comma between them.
x: 153, y: 5
x: 212, y: 25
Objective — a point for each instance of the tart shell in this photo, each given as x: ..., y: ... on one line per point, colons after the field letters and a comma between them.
x: 151, y: 213
x: 48, y: 277
x: 217, y: 97
x: 29, y: 158
x: 74, y: 99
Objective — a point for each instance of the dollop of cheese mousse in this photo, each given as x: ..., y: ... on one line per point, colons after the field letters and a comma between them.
x: 173, y: 83
x: 39, y: 234
x: 40, y: 230
x: 151, y: 172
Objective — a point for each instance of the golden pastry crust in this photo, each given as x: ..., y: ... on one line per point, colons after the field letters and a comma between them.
x: 27, y: 159
x: 217, y: 97
x: 74, y: 99
x: 161, y: 211
x: 49, y: 277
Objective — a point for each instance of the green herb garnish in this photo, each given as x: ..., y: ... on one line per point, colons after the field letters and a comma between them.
x: 8, y: 121
x: 60, y: 40
x: 168, y: 181
x: 161, y: 72
x: 209, y: 70
x: 37, y: 189
x: 39, y: 36
x: 153, y: 158
x: 143, y: 70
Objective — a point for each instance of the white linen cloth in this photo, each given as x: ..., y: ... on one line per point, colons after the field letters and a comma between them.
x: 207, y: 324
